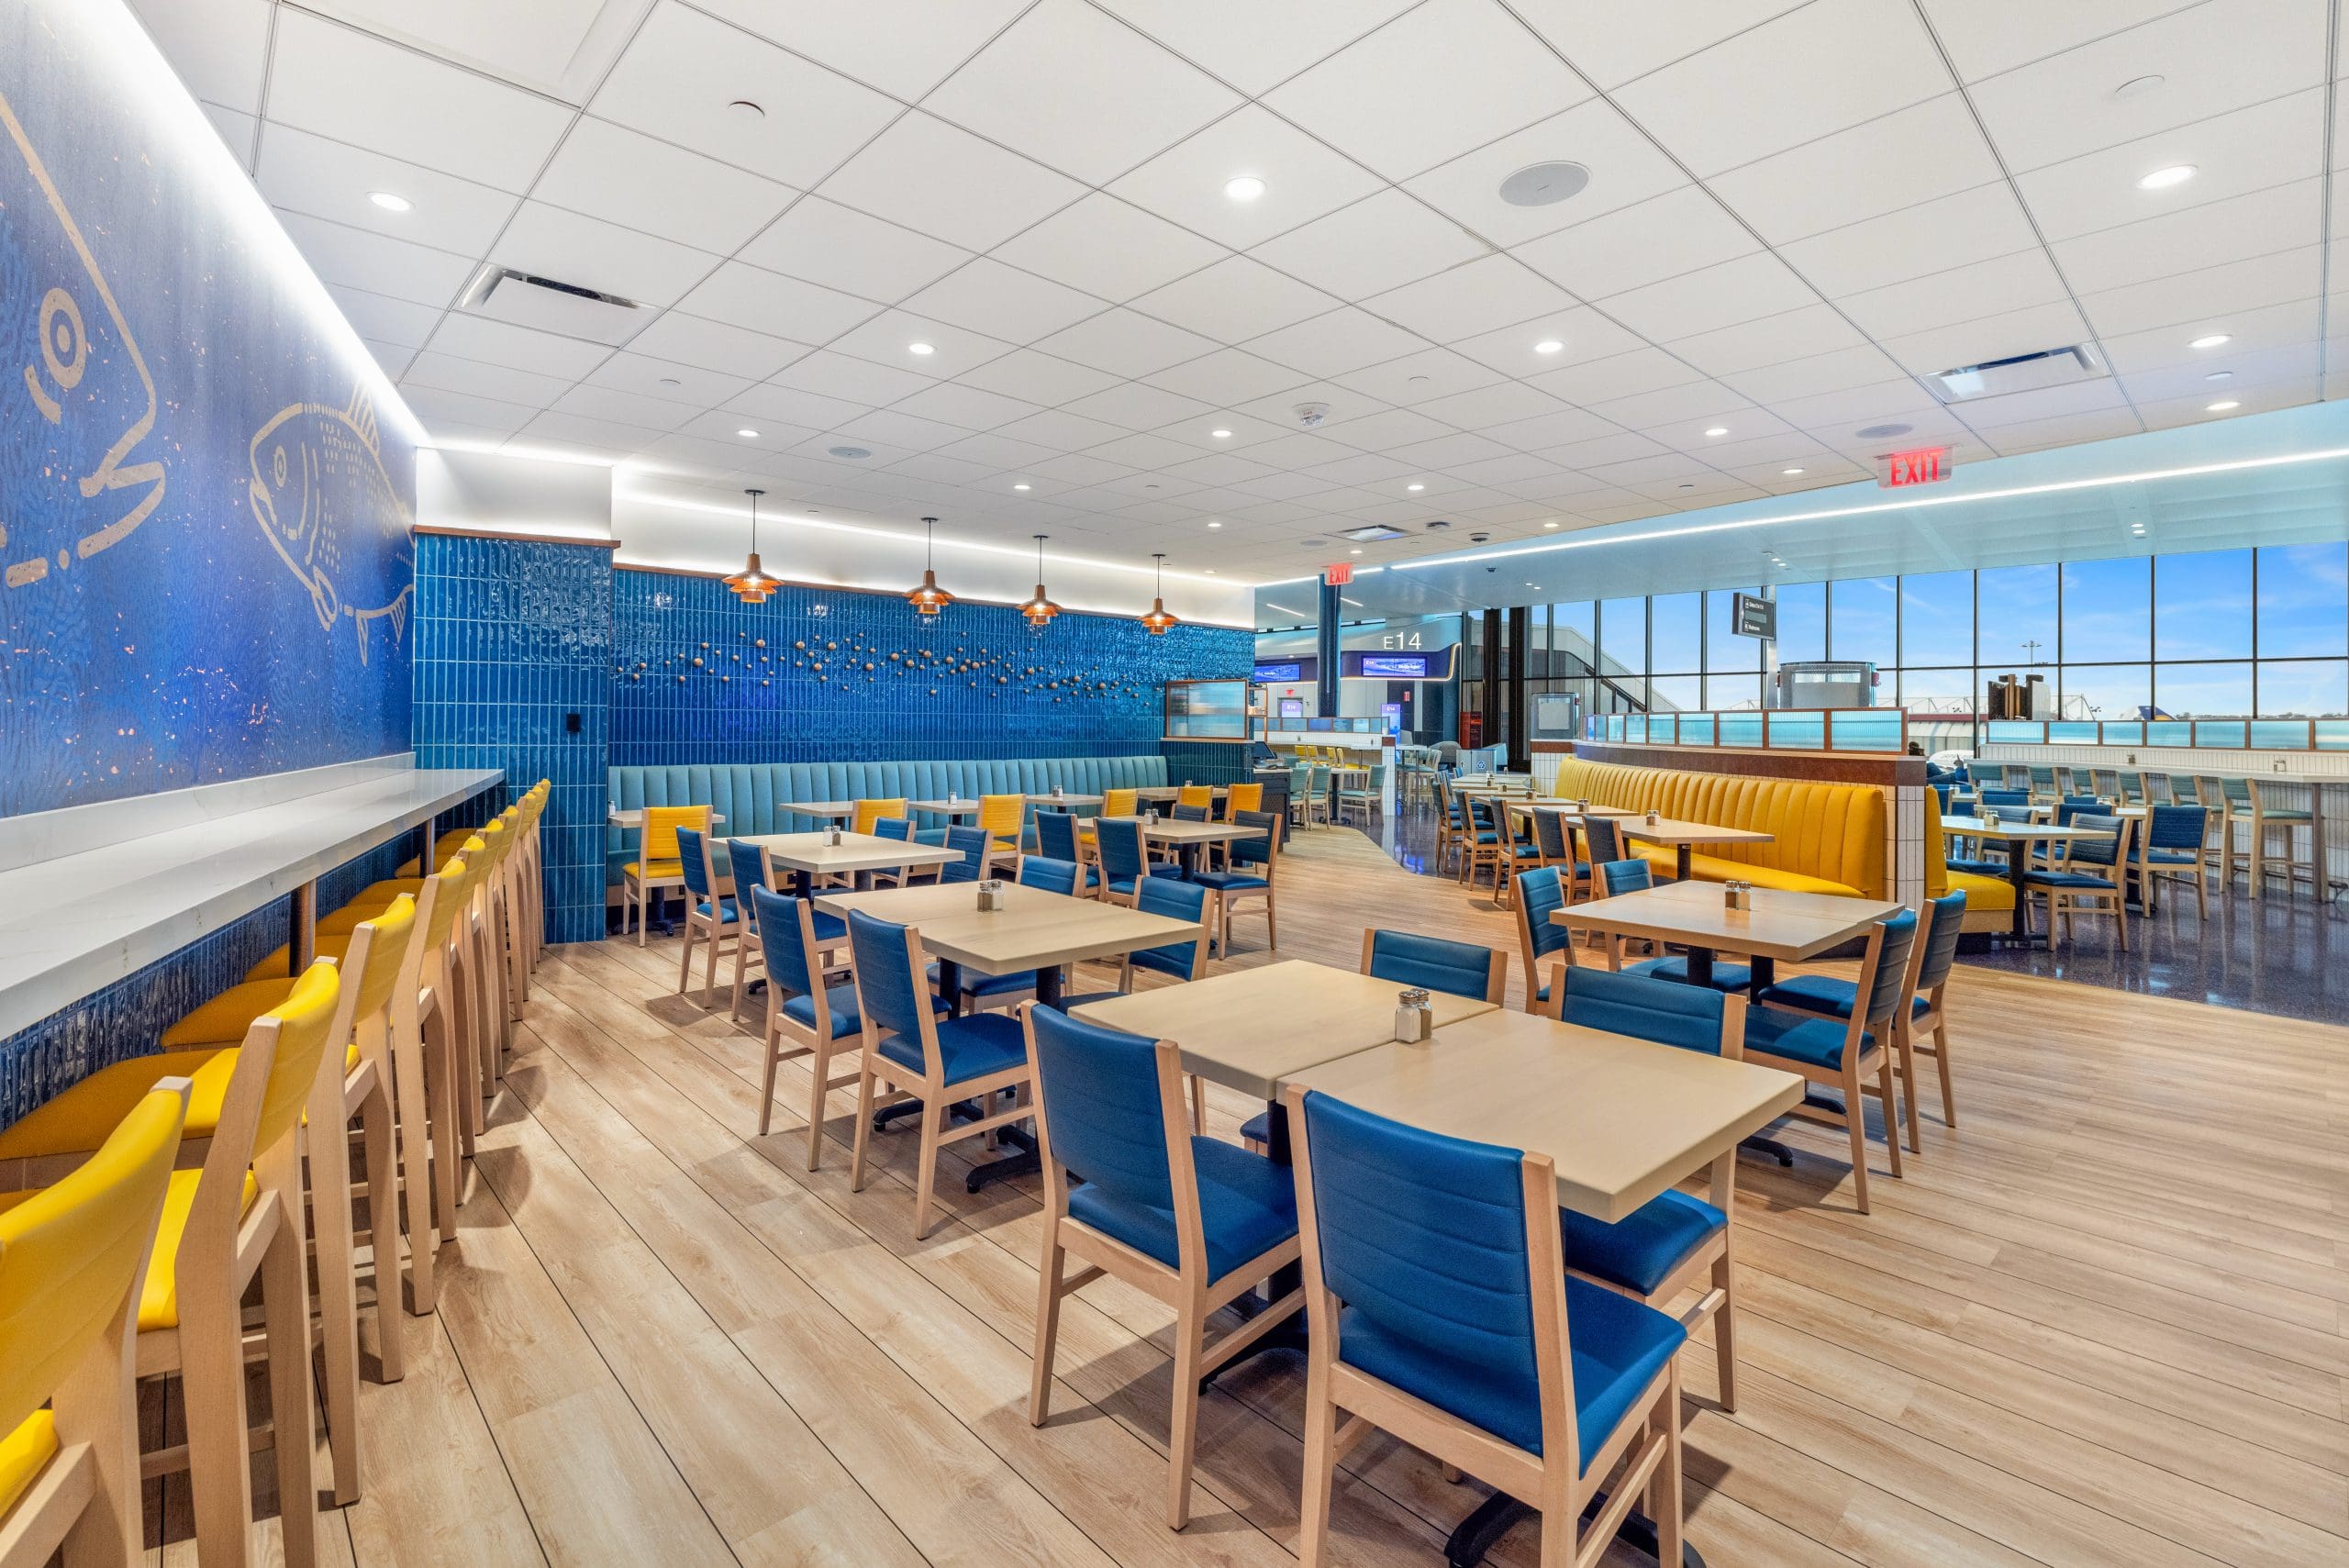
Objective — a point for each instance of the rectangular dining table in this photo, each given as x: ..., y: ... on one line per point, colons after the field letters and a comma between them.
x: 1694, y: 915
x: 2019, y: 837
x: 1188, y: 838
x: 1684, y: 837
x: 809, y: 855
x: 832, y: 809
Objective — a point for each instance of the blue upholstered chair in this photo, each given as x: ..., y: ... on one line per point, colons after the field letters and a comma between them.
x: 1184, y: 812
x: 1057, y: 837
x: 1436, y: 964
x: 899, y: 830
x: 711, y: 913
x: 975, y: 847
x: 1845, y: 1052
x: 1631, y: 876
x: 1191, y: 1220
x: 1437, y: 1299
x: 2173, y: 851
x: 1247, y: 875
x: 1181, y: 959
x: 747, y: 863
x: 908, y: 1052
x: 1010, y: 989
x: 1125, y: 861
x: 1553, y: 841
x: 1832, y: 996
x: 2087, y: 877
x: 1665, y: 1245
x: 1541, y: 892
x: 811, y: 1011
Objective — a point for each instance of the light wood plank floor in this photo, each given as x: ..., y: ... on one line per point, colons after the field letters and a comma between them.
x: 2101, y: 1322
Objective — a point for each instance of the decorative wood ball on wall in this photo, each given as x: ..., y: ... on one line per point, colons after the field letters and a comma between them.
x: 801, y: 643
x: 698, y: 661
x: 760, y: 643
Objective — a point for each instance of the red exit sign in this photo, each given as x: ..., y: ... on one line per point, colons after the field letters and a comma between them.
x: 1926, y: 466
x: 1339, y: 575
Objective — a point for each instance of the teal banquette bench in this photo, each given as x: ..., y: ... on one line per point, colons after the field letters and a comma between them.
x: 746, y: 794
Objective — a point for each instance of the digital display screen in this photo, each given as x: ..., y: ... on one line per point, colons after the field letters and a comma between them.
x: 1268, y: 674
x: 1395, y: 666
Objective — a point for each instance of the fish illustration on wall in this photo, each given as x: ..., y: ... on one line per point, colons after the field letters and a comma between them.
x: 319, y: 488
x: 88, y: 400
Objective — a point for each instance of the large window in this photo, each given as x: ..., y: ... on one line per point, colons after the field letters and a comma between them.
x: 2203, y: 691
x: 2304, y: 601
x: 1864, y: 620
x: 1676, y: 634
x: 2107, y: 610
x: 2017, y: 618
x: 1624, y: 637
x: 1726, y: 653
x: 2202, y: 605
x: 1802, y: 621
x: 2303, y: 688
x: 1937, y: 620
x: 2115, y: 692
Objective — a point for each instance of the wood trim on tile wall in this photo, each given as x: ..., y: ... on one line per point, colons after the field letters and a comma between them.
x: 1878, y: 768
x: 439, y: 532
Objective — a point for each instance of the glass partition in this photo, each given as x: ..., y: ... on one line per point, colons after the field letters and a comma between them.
x: 1207, y: 710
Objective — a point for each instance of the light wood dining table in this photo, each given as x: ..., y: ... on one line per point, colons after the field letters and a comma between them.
x: 1777, y: 924
x: 1684, y: 837
x: 809, y: 855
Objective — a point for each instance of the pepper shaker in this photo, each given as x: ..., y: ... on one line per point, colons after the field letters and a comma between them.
x: 1414, y: 1018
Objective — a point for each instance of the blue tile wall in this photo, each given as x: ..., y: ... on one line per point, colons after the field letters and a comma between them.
x: 827, y: 675
x: 127, y: 1018
x: 513, y: 638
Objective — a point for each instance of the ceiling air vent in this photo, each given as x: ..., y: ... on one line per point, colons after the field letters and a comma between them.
x: 522, y: 299
x: 2018, y: 372
x: 1372, y: 534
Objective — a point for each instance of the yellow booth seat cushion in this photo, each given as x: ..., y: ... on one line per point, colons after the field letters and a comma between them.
x: 83, y: 1115
x: 22, y: 1454
x: 1989, y: 900
x: 1830, y: 835
x: 656, y: 871
x: 159, y: 1303
x: 1992, y: 893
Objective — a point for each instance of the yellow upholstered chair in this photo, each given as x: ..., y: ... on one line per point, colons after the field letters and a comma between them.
x: 1242, y: 797
x: 1201, y: 795
x: 72, y: 1262
x: 868, y: 812
x: 1122, y: 803
x: 1000, y: 819
x: 656, y: 865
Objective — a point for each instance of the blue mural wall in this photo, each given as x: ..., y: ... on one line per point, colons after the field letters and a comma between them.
x: 513, y: 646
x: 830, y: 675
x: 205, y: 568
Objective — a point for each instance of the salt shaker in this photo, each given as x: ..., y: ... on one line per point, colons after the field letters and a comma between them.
x: 1414, y: 1020
x: 1653, y: 819
x: 832, y: 833
x: 990, y: 894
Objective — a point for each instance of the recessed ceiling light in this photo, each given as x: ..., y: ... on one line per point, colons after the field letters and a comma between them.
x: 1213, y: 523
x: 743, y: 108
x: 1552, y: 524
x: 1414, y: 487
x: 1020, y: 487
x: 671, y: 381
x: 1210, y: 570
x: 1880, y: 432
x: 2211, y: 341
x: 1548, y: 346
x: 748, y: 435
x: 1790, y: 472
x: 1689, y: 487
x: 921, y: 349
x: 2219, y: 375
x: 2163, y: 179
x: 2221, y: 405
x: 389, y: 202
x: 2136, y: 86
x: 1353, y: 552
x: 1246, y: 188
x: 1718, y: 430
x: 1220, y: 434
x: 1540, y: 185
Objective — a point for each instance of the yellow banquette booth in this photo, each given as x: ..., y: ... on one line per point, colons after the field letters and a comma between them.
x: 1824, y: 838
x: 1989, y: 900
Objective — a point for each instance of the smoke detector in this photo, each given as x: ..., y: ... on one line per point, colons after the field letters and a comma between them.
x: 1310, y: 415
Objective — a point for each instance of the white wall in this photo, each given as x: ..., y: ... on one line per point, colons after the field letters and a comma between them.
x: 493, y: 493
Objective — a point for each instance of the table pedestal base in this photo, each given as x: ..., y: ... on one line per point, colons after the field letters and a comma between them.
x: 1482, y: 1530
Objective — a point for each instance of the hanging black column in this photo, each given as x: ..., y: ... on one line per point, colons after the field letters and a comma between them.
x: 1325, y: 650
x: 1488, y: 726
x: 1520, y: 731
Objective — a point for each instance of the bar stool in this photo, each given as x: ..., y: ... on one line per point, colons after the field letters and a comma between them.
x: 2265, y: 818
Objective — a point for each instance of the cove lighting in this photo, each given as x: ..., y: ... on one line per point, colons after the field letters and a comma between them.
x: 391, y: 202
x: 2163, y: 179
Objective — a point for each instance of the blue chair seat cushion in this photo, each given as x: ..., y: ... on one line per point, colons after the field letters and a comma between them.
x: 1973, y: 867
x: 1825, y: 994
x: 828, y: 928
x: 1726, y: 977
x: 1258, y: 1128
x: 1247, y: 1206
x: 2066, y: 879
x: 1617, y: 1345
x: 977, y: 985
x: 968, y: 1048
x: 2165, y: 857
x: 846, y: 1020
x: 1816, y: 1043
x: 1229, y: 881
x: 1639, y: 1251
x: 725, y: 903
x: 1069, y: 1001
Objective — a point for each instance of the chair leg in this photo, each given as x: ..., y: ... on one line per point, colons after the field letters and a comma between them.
x: 1048, y: 1325
x: 933, y: 1118
x: 1725, y: 1329
x: 821, y: 1063
x: 1941, y: 1061
x: 685, y: 954
x: 448, y: 1133
x: 212, y: 1378
x: 862, y: 1135
x: 338, y: 1300
x: 709, y: 971
x: 1891, y: 1109
x: 1664, y: 1505
x: 286, y: 1307
x: 415, y: 1118
x: 1320, y: 1466
x: 376, y: 1137
x: 1855, y: 1118
x: 1181, y: 1432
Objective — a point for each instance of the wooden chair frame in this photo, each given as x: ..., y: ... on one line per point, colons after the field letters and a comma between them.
x: 2069, y: 901
x: 644, y: 887
x: 1640, y: 1461
x: 787, y: 1038
x: 1859, y: 1065
x: 1184, y: 1287
x: 715, y: 929
x: 1227, y: 900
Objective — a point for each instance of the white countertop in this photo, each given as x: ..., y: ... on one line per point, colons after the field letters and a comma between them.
x: 71, y: 925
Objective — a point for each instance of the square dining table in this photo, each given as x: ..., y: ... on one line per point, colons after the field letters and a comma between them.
x: 1696, y: 916
x: 1684, y: 837
x: 809, y: 855
x: 2018, y: 837
x: 833, y: 809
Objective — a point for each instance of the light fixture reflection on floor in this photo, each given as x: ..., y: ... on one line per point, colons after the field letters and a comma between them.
x: 1160, y: 620
x: 1040, y: 609
x: 751, y: 584
x: 929, y: 598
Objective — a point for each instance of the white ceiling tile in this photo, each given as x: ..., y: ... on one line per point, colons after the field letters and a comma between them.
x: 1419, y: 378
x: 1615, y: 44
x: 346, y: 84
x: 1931, y: 237
x: 1791, y: 80
x: 971, y: 407
x: 549, y: 242
x: 1961, y: 294
x: 1927, y: 151
x: 1136, y: 406
x: 1228, y: 377
x: 855, y: 474
x: 449, y: 373
x: 632, y: 371
x: 308, y: 174
x: 1075, y: 468
x: 1600, y: 450
x: 1721, y: 295
x: 1363, y: 469
x: 859, y: 381
x: 498, y: 343
x: 899, y: 429
x: 1303, y: 179
x: 1546, y: 431
x: 1471, y: 299
x: 380, y: 319
x: 1386, y: 430
x: 1108, y: 248
x: 1140, y: 450
x: 1615, y: 375
x: 2064, y: 430
x: 623, y: 408
x: 390, y: 358
x: 1582, y: 334
x: 1004, y: 301
x: 625, y: 177
x: 218, y: 47
x: 2205, y: 59
x: 1660, y: 237
x: 1377, y: 244
x: 2022, y: 407
x: 1833, y: 372
x: 713, y: 346
x: 903, y: 47
x: 1039, y: 378
x: 1625, y: 167
x: 1996, y: 337
x: 1061, y: 430
x: 1335, y: 342
x: 943, y: 470
x: 434, y: 406
x: 889, y: 337
x: 2268, y: 144
x: 1234, y: 300
x: 1985, y: 37
x: 2252, y: 332
x: 2191, y: 299
x: 947, y: 182
x: 1125, y: 344
x: 1251, y: 45
x: 684, y: 70
x: 1853, y: 407
x: 742, y: 295
x: 377, y: 263
x: 1673, y: 405
x: 1079, y: 92
x: 1000, y: 453
x: 1772, y: 339
x: 1248, y: 431
x: 239, y: 132
x: 1500, y: 403
x: 1443, y: 78
x: 2281, y: 217
x: 824, y: 242
x: 2254, y: 367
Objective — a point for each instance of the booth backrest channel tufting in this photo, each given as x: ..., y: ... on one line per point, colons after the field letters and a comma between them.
x: 1826, y: 838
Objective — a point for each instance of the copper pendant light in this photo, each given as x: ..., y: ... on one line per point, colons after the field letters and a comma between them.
x: 1039, y: 609
x: 751, y: 584
x: 1160, y: 620
x: 929, y: 598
